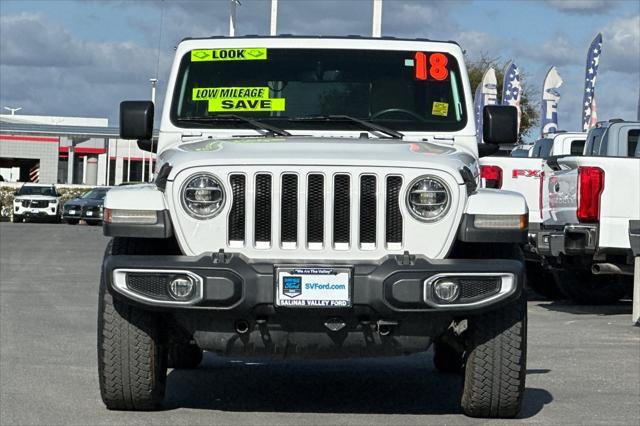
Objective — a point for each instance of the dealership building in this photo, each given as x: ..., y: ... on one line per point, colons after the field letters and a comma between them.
x: 69, y: 150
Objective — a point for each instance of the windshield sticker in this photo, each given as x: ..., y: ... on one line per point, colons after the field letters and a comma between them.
x: 246, y: 104
x: 249, y: 54
x: 440, y: 108
x: 207, y: 93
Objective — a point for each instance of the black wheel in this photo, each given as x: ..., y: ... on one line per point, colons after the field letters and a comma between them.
x: 446, y: 359
x: 16, y: 218
x: 72, y: 221
x: 92, y: 222
x: 585, y: 288
x: 132, y: 362
x: 542, y: 282
x: 495, y: 367
x: 184, y: 356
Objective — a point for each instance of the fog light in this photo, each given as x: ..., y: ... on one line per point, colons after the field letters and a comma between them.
x: 181, y: 288
x: 446, y: 290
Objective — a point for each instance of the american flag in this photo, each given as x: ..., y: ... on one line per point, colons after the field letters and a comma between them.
x: 589, y: 115
x: 511, y: 88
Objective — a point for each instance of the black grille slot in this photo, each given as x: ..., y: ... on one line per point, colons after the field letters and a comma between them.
x: 237, y: 214
x: 477, y: 288
x: 151, y: 285
x: 263, y: 209
x: 289, y: 209
x: 341, y: 209
x: 394, y: 218
x: 367, y: 209
x: 315, y: 209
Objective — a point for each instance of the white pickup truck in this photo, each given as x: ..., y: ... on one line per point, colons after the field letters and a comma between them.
x: 523, y: 175
x: 590, y: 204
x: 315, y: 197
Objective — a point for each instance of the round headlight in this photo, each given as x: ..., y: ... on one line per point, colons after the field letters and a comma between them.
x: 203, y: 196
x: 428, y: 198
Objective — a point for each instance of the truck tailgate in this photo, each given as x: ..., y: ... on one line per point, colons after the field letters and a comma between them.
x: 619, y: 201
x: 522, y: 175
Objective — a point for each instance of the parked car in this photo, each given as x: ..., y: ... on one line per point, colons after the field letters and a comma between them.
x: 591, y: 206
x: 36, y: 201
x: 522, y: 174
x: 87, y: 207
x: 359, y: 230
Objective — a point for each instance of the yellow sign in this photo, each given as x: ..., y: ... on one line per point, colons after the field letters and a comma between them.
x: 440, y: 108
x: 246, y: 104
x: 250, y: 54
x: 206, y: 93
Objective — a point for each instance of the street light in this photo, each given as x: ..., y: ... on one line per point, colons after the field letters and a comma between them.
x: 13, y: 110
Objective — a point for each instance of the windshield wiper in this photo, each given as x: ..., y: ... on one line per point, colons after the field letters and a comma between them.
x: 366, y: 125
x: 257, y: 125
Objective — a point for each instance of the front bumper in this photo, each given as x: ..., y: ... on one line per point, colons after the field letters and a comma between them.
x: 392, y: 286
x: 49, y: 211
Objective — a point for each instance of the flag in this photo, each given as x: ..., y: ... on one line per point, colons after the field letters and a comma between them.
x: 550, y: 99
x: 511, y: 88
x: 486, y: 94
x: 589, y: 101
x: 477, y: 108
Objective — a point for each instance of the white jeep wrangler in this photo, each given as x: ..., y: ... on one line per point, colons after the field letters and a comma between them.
x: 314, y: 197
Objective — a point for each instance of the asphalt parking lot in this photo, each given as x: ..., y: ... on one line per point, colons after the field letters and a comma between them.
x: 583, y: 361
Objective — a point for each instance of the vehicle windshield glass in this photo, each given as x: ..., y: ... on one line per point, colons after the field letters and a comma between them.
x: 401, y: 90
x: 594, y: 139
x: 49, y: 191
x: 96, y: 194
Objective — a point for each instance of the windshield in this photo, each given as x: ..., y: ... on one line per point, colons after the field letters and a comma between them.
x: 96, y: 194
x: 419, y: 91
x: 49, y: 191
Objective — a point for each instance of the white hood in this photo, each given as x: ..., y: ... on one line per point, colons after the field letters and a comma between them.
x: 316, y: 151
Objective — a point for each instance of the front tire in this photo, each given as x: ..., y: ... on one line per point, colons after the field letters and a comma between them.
x: 132, y: 362
x: 72, y: 221
x: 495, y: 367
x: 585, y: 288
x: 16, y: 218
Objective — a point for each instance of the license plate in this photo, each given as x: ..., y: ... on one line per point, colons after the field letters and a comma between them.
x: 34, y: 211
x: 89, y: 213
x: 313, y: 287
x: 72, y: 212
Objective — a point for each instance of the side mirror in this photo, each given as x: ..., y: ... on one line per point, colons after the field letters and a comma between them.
x: 500, y: 124
x: 136, y: 119
x: 148, y: 145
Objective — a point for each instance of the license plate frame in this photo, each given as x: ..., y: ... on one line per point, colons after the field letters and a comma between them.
x: 313, y: 287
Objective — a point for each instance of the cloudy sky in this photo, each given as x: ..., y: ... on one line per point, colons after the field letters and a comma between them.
x: 82, y: 58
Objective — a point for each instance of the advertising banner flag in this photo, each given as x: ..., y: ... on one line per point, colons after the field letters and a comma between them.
x: 589, y: 116
x: 511, y: 88
x: 550, y: 99
x: 486, y: 94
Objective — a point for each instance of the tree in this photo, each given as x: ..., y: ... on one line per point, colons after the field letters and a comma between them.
x: 530, y: 108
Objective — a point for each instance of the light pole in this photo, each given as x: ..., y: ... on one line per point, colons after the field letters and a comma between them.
x: 274, y: 18
x: 13, y: 110
x: 376, y: 30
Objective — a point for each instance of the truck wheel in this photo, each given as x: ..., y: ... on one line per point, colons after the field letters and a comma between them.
x: 131, y: 360
x: 495, y: 368
x: 446, y: 359
x: 184, y: 356
x: 542, y: 282
x: 72, y: 221
x: 585, y: 288
x: 16, y: 218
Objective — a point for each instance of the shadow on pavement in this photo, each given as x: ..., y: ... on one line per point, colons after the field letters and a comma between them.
x: 380, y: 386
x: 621, y: 308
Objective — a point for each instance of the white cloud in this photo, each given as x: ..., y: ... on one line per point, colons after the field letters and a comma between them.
x: 621, y: 45
x: 584, y: 7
